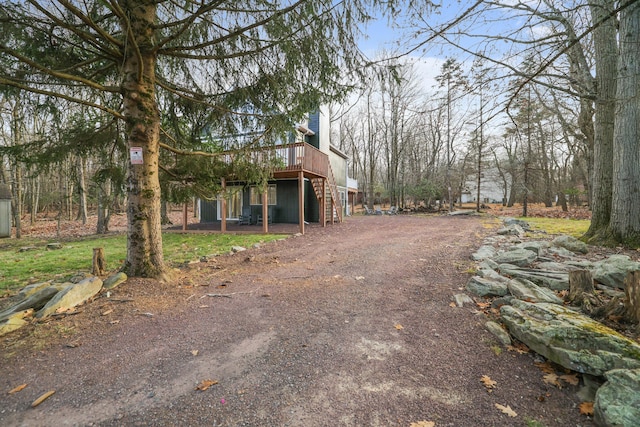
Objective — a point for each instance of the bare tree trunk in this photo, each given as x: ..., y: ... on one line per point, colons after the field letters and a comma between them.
x: 104, y: 206
x: 625, y: 221
x: 82, y: 191
x: 99, y: 264
x: 35, y: 198
x: 606, y: 53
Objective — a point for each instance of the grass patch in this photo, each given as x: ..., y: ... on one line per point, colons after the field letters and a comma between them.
x: 572, y: 227
x: 17, y: 269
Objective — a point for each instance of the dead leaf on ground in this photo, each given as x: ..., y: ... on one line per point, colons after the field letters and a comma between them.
x: 570, y: 379
x: 104, y: 313
x: 17, y: 389
x: 488, y: 383
x: 545, y: 367
x: 519, y: 348
x: 552, y: 379
x: 194, y: 352
x: 423, y: 424
x: 586, y: 408
x: 399, y: 327
x: 483, y: 305
x: 205, y: 384
x: 42, y: 398
x: 506, y: 410
x: 452, y: 304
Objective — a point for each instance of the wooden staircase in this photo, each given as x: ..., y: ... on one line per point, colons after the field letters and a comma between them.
x: 332, y: 205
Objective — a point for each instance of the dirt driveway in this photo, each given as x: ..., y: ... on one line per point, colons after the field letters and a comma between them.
x: 350, y: 325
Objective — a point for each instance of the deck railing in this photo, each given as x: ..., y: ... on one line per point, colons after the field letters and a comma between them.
x: 302, y: 156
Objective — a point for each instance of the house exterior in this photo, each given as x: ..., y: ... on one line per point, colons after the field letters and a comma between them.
x: 311, y: 186
x: 492, y: 187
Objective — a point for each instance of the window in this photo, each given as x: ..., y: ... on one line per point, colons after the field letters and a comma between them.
x: 234, y: 203
x: 255, y: 197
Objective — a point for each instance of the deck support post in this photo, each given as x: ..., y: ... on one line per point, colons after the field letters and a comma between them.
x: 223, y: 206
x: 301, y: 201
x: 265, y: 210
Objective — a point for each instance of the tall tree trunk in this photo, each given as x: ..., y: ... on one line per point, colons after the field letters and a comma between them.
x: 625, y: 221
x: 16, y: 202
x: 104, y: 206
x: 35, y: 198
x: 144, y: 243
x: 82, y: 191
x: 606, y: 55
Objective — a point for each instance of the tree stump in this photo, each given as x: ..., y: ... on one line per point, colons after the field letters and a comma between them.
x: 581, y: 290
x: 632, y: 296
x: 99, y: 264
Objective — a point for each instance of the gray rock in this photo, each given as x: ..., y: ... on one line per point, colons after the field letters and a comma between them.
x: 536, y: 246
x: 71, y: 296
x: 612, y: 271
x: 14, y: 321
x: 484, y: 252
x: 487, y: 264
x: 571, y: 243
x: 486, y: 287
x: 519, y: 257
x: 511, y: 230
x: 236, y: 249
x: 462, y: 299
x: 499, y: 332
x: 54, y: 246
x: 32, y: 289
x: 569, y: 338
x: 554, y: 280
x: 618, y: 400
x: 114, y: 280
x: 35, y: 301
x: 526, y: 290
x: 492, y: 274
x: 500, y: 301
x: 519, y: 222
x: 80, y: 276
x: 558, y: 252
x: 556, y: 266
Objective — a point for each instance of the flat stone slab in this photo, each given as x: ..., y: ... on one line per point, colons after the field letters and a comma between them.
x: 569, y: 338
x: 72, y: 296
x: 482, y: 287
x: 618, y: 400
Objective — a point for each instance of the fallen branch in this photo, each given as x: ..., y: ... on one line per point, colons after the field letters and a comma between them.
x: 229, y: 295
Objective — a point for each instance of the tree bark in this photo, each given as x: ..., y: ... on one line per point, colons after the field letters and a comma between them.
x: 632, y: 296
x: 99, y: 264
x: 144, y: 244
x: 606, y: 56
x: 625, y: 221
x: 82, y: 191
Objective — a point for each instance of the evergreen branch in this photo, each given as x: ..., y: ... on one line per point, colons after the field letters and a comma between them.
x: 130, y: 37
x: 75, y: 100
x: 58, y: 74
x: 88, y: 21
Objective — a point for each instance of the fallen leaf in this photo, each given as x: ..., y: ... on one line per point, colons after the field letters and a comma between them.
x: 452, y: 304
x: 483, y: 304
x: 17, y: 389
x: 423, y: 424
x: 519, y: 348
x: 488, y: 383
x: 399, y: 326
x: 586, y: 408
x: 545, y: 367
x: 506, y: 410
x: 194, y: 352
x: 42, y: 398
x: 570, y: 379
x: 205, y: 384
x: 104, y: 313
x: 552, y: 379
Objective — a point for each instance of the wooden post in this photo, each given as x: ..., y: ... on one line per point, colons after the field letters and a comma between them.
x: 185, y: 208
x: 632, y: 295
x: 223, y: 207
x: 265, y: 210
x: 323, y: 203
x: 99, y: 264
x: 301, y: 201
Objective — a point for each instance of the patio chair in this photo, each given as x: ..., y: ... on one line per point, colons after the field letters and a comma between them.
x: 245, y: 218
x: 368, y: 211
x: 393, y: 210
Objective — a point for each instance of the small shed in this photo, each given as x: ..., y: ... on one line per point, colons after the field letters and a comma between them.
x: 5, y: 211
